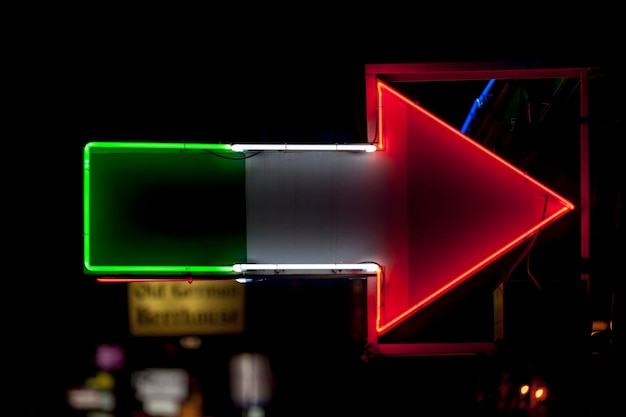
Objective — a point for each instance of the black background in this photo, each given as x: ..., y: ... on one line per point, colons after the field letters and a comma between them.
x: 219, y: 76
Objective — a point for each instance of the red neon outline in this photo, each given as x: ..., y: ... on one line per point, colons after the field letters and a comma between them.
x: 188, y: 279
x: 568, y: 206
x: 381, y: 85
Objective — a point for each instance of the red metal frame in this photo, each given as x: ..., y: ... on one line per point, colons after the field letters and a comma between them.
x: 422, y: 72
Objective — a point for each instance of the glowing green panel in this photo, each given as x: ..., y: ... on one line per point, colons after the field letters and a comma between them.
x: 163, y: 208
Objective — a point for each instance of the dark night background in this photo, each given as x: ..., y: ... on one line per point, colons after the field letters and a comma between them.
x: 149, y: 76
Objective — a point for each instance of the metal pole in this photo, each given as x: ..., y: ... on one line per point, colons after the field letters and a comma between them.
x: 584, y: 177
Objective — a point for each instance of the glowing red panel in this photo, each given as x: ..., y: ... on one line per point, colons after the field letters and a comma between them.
x: 459, y: 207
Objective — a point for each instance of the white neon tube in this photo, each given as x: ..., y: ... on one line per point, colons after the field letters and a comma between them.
x: 367, y: 267
x: 298, y: 147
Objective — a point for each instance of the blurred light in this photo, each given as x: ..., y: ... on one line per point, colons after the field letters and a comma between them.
x: 251, y: 381
x: 599, y: 326
x: 157, y: 382
x: 248, y: 280
x: 109, y: 357
x: 83, y: 398
x: 541, y: 393
x: 523, y: 390
x: 533, y: 395
x: 102, y: 380
x: 90, y: 399
x: 255, y: 411
x: 190, y: 342
x: 163, y: 407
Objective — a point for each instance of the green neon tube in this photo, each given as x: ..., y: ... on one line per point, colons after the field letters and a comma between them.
x: 156, y: 146
x: 143, y: 149
x: 134, y: 269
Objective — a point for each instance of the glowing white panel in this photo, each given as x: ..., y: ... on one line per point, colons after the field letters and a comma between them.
x: 302, y: 147
x: 366, y: 267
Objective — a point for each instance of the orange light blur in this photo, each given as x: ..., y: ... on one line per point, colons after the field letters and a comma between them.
x: 541, y: 394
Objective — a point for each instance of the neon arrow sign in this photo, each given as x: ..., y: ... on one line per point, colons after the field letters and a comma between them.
x: 423, y: 209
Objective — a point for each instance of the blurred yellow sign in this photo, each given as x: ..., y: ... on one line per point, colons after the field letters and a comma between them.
x: 181, y: 308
